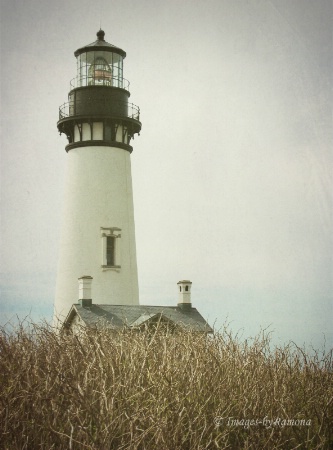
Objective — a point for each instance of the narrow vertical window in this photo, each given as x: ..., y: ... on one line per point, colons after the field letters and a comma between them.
x: 110, y: 251
x: 107, y: 131
x: 111, y: 248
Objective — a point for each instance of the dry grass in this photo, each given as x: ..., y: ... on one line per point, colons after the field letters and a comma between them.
x: 160, y: 390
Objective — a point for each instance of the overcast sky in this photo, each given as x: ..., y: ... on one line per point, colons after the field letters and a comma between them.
x: 232, y: 172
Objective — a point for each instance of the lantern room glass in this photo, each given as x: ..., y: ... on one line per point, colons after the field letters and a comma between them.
x: 99, y: 68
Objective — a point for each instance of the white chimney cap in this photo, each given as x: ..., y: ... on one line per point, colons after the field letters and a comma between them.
x: 184, y: 294
x: 85, y: 283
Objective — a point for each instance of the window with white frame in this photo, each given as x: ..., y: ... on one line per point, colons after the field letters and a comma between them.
x: 110, y: 247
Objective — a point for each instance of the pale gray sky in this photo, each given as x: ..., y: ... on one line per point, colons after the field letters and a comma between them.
x: 232, y: 173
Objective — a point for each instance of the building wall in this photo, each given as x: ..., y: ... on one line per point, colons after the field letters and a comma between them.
x: 98, y: 194
x: 76, y: 325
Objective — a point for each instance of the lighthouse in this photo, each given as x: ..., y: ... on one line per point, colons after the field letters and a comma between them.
x: 98, y: 235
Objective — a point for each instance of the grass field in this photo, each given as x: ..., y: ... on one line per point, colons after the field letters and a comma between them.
x: 161, y: 390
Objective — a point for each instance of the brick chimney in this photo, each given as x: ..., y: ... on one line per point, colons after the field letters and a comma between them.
x: 184, y: 295
x: 85, y: 299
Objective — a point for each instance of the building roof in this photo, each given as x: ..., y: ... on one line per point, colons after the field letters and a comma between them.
x: 131, y: 316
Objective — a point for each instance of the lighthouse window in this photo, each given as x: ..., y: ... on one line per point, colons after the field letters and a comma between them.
x: 99, y: 68
x: 111, y: 248
x: 117, y: 69
x: 108, y: 132
x: 110, y: 251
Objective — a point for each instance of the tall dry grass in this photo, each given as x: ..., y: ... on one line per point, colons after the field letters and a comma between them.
x: 160, y: 390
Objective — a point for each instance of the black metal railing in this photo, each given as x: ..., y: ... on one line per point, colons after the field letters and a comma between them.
x: 121, y: 109
x: 103, y: 79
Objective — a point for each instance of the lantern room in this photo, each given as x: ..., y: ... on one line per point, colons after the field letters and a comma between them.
x: 100, y: 64
x: 98, y: 111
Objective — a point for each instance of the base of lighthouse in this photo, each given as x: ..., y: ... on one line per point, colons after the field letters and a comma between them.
x: 98, y: 234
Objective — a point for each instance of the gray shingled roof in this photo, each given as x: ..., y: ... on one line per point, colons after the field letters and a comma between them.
x: 118, y: 316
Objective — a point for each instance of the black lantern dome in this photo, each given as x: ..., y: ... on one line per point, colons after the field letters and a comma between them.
x: 101, y: 44
x: 98, y: 111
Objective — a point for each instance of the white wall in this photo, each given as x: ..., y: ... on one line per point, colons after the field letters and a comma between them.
x: 98, y: 193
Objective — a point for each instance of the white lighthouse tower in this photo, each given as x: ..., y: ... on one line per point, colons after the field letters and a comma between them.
x: 98, y: 236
